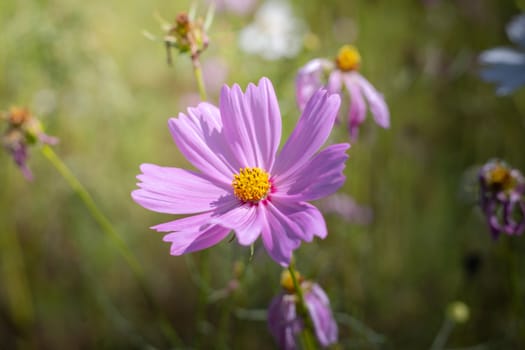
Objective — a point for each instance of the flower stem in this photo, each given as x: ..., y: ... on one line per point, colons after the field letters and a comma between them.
x: 95, y: 212
x: 441, y: 338
x: 306, y: 336
x: 197, y: 70
x: 117, y: 240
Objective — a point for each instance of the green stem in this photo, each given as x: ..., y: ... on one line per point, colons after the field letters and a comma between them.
x: 441, y: 338
x: 95, y: 212
x: 200, y: 80
x: 306, y: 336
x: 112, y: 234
x: 15, y: 281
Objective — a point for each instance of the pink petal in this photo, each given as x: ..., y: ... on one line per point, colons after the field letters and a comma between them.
x: 376, y: 102
x: 175, y: 191
x: 357, y: 106
x: 319, y: 309
x: 200, y: 138
x: 320, y: 177
x: 309, y: 135
x: 281, y: 236
x: 252, y: 123
x: 308, y: 81
x: 191, y: 223
x: 190, y: 241
x: 245, y: 220
x: 309, y: 219
x: 335, y: 82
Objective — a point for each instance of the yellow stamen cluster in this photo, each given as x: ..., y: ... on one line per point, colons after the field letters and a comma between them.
x: 348, y: 58
x: 500, y: 176
x: 251, y: 184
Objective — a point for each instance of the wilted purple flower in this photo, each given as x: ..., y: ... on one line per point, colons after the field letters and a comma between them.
x: 506, y: 66
x: 242, y: 184
x: 285, y: 323
x: 23, y: 130
x: 343, y: 74
x: 502, y: 191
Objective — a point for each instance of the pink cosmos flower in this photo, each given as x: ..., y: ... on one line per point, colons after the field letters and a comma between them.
x: 343, y: 74
x: 242, y: 183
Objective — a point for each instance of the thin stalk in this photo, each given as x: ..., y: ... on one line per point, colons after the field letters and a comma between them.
x: 95, y: 212
x: 197, y: 70
x: 306, y: 336
x: 112, y: 234
x: 441, y: 338
x: 203, y: 274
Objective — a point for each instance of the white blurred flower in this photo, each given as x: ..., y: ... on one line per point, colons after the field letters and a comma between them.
x: 238, y: 7
x: 505, y: 66
x: 275, y: 32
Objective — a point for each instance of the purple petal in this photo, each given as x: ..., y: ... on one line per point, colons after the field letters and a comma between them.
x: 175, y: 191
x: 320, y: 177
x: 19, y: 153
x: 308, y: 81
x: 357, y: 112
x: 319, y: 308
x: 252, y: 123
x: 308, y: 218
x: 200, y: 138
x: 335, y: 82
x: 309, y: 135
x: 376, y: 102
x: 191, y: 223
x: 245, y: 220
x: 281, y: 236
x: 50, y: 140
x: 283, y: 322
x: 183, y: 242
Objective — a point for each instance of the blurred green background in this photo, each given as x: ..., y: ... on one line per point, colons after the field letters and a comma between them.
x: 103, y: 88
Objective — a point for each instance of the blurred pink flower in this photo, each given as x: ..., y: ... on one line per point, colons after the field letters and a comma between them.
x: 242, y: 184
x: 343, y: 73
x: 347, y: 208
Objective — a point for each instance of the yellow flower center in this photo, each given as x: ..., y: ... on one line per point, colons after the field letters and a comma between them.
x: 348, y: 58
x: 251, y: 184
x: 500, y: 176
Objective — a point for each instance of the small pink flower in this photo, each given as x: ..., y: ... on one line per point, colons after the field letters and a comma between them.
x: 343, y: 74
x: 242, y: 183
